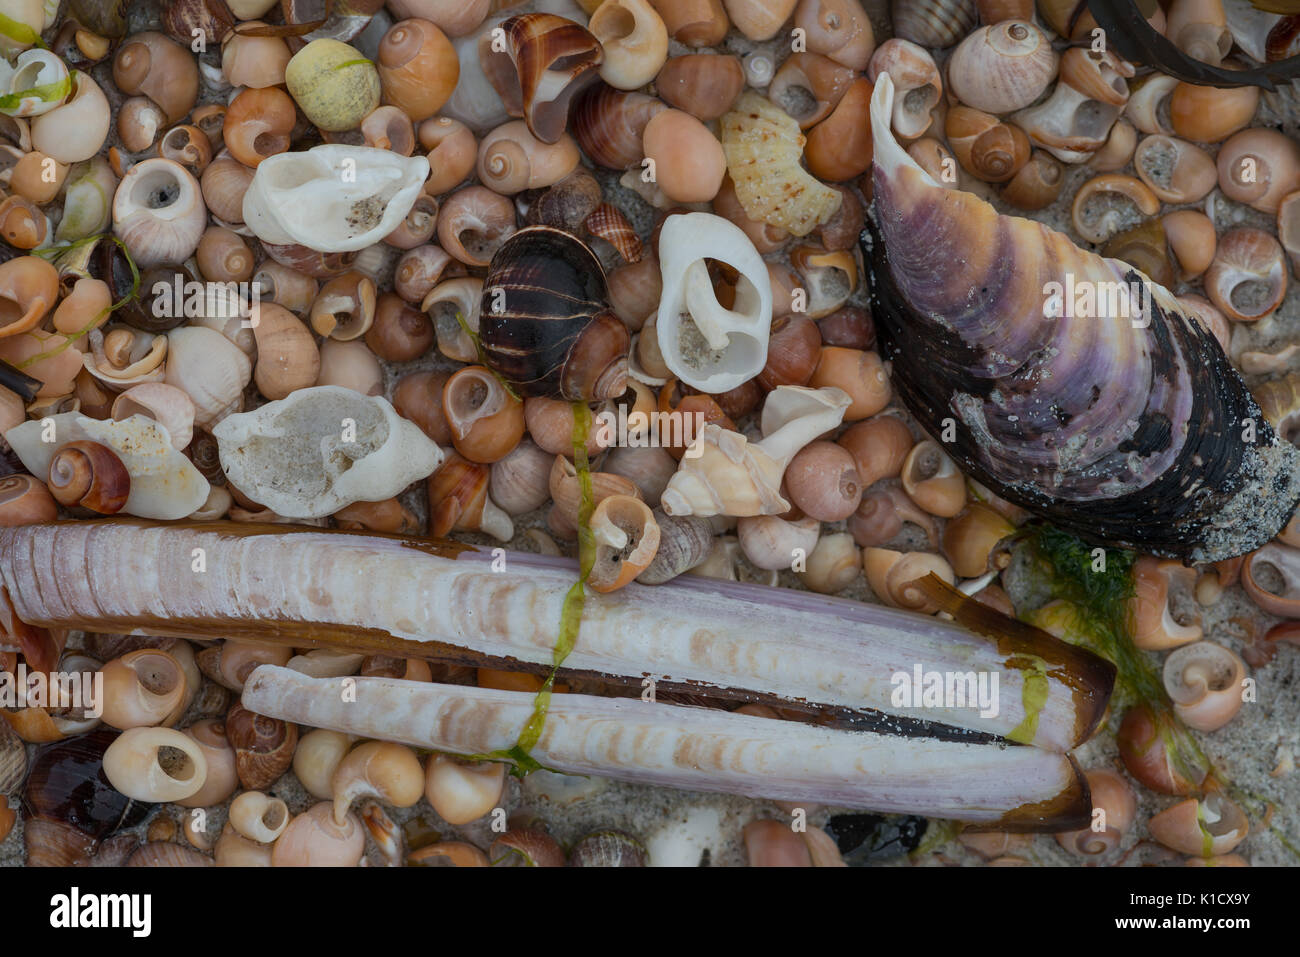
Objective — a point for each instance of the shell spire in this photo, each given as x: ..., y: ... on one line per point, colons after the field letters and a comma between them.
x: 1078, y: 388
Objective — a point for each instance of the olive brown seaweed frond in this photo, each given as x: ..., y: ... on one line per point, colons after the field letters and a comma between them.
x: 1128, y: 427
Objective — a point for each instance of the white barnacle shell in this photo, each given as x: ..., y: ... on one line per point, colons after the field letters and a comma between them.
x: 165, y: 485
x: 333, y: 198
x: 323, y: 448
x: 707, y: 346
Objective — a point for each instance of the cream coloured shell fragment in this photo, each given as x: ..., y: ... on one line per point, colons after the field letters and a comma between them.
x: 36, y: 83
x: 333, y: 198
x: 706, y: 345
x: 319, y: 449
x: 210, y: 369
x: 164, y: 483
x: 723, y: 473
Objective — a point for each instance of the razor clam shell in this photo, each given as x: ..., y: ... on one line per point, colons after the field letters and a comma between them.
x: 299, y: 585
x: 1123, y: 435
x: 699, y: 749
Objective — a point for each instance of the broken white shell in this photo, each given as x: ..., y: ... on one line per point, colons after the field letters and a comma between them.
x: 163, y: 403
x: 333, y: 198
x: 210, y: 369
x: 320, y: 449
x: 164, y: 483
x: 41, y: 81
x: 723, y: 473
x: 707, y: 346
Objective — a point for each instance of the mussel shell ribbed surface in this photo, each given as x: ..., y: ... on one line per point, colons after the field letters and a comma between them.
x: 1125, y: 435
x: 543, y: 291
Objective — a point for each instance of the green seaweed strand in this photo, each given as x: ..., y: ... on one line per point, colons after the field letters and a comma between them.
x: 571, y: 611
x: 94, y: 323
x: 1099, y: 604
x: 47, y: 93
x: 482, y: 356
x: 1033, y: 695
x: 17, y: 30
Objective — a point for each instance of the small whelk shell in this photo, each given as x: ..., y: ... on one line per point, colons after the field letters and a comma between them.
x: 333, y: 198
x: 723, y: 473
x: 319, y: 449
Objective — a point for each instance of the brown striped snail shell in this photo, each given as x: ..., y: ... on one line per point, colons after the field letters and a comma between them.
x: 547, y: 326
x: 547, y: 61
x: 263, y: 746
x: 90, y: 475
x: 68, y: 804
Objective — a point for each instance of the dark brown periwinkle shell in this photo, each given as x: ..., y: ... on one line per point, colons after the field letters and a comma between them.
x: 105, y: 17
x: 157, y: 308
x: 68, y: 804
x: 609, y: 123
x: 1145, y: 247
x: 849, y: 328
x: 792, y: 353
x: 346, y: 20
x: 567, y: 204
x: 546, y: 325
x: 203, y: 452
x: 180, y: 18
x: 608, y: 849
x: 309, y: 261
x: 400, y: 332
x: 525, y: 847
x: 742, y: 400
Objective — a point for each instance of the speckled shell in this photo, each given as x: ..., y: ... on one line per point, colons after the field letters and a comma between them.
x: 1124, y: 430
x: 547, y: 326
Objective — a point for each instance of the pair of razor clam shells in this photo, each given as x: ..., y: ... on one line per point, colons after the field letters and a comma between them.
x: 833, y: 658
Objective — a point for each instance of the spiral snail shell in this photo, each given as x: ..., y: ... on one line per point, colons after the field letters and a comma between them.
x: 90, y: 475
x: 547, y: 326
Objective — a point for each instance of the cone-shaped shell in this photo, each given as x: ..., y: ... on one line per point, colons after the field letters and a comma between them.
x: 1127, y: 426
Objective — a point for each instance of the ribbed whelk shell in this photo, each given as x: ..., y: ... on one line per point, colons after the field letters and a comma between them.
x: 1129, y: 431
